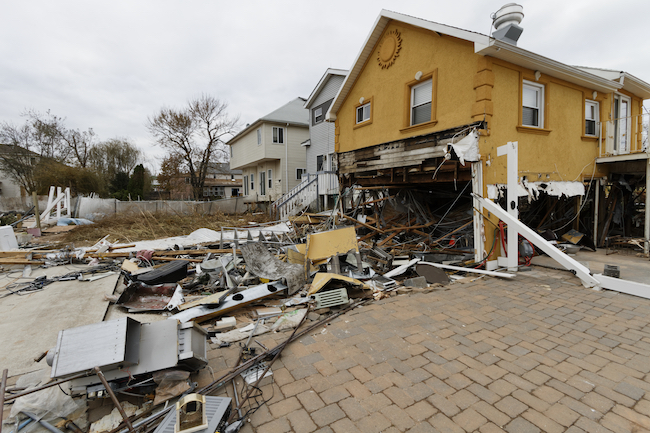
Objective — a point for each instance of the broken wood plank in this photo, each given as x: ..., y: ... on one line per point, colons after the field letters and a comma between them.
x: 471, y: 270
x: 368, y: 226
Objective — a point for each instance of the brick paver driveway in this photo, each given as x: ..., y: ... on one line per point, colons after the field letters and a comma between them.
x: 538, y: 353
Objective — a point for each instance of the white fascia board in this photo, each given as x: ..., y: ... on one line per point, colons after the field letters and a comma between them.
x: 471, y: 270
x: 330, y: 72
x: 243, y: 132
x: 621, y: 158
x: 518, y: 56
x: 624, y: 286
x: 569, y: 263
x: 357, y: 65
x: 636, y: 86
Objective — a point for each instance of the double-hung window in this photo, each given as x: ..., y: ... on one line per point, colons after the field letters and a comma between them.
x: 421, y: 98
x: 318, y: 115
x: 270, y: 176
x: 278, y: 135
x: 262, y: 182
x: 532, y: 100
x: 363, y: 113
x: 259, y: 136
x: 245, y: 185
x: 252, y: 182
x: 299, y: 173
x: 591, y: 118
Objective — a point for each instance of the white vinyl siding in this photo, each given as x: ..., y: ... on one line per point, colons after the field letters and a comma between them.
x: 591, y: 118
x: 532, y: 101
x: 421, y: 102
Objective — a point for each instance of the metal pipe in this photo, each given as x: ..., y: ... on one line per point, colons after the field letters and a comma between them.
x: 116, y: 402
x: 234, y: 389
x: 72, y: 426
x: 58, y: 382
x: 3, y: 385
x: 45, y: 424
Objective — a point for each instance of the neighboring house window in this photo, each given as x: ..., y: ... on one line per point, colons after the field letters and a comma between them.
x: 259, y: 136
x: 332, y: 162
x: 270, y: 175
x: 320, y: 161
x: 363, y: 113
x: 532, y: 100
x: 591, y: 118
x: 252, y: 182
x: 318, y: 113
x: 262, y: 182
x: 234, y: 192
x: 299, y: 173
x: 245, y: 185
x: 230, y: 152
x: 278, y: 135
x: 421, y: 97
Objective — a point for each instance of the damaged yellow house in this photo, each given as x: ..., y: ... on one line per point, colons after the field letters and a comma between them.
x: 425, y: 106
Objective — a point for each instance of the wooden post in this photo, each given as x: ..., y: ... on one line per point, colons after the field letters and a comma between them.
x: 36, y: 212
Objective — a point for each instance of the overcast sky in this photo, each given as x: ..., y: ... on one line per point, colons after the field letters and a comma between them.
x: 110, y: 65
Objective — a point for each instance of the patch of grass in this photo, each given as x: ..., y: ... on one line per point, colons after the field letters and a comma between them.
x: 143, y: 225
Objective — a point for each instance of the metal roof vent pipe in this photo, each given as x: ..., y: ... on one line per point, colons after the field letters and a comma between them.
x: 506, y: 23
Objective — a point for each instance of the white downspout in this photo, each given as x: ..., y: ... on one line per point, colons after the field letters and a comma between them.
x: 286, y: 161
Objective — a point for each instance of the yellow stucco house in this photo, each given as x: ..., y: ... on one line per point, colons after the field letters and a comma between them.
x: 417, y: 87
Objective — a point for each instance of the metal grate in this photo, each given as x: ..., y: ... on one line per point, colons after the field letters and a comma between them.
x: 331, y: 298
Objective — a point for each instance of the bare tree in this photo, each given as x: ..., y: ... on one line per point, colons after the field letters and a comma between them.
x: 195, y: 134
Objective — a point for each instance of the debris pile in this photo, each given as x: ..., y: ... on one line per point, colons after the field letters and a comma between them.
x: 219, y: 291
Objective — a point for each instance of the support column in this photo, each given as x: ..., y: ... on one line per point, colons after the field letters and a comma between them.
x: 477, y: 211
x: 512, y: 206
x: 646, y: 232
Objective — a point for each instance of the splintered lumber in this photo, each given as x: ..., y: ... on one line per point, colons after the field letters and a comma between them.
x: 452, y: 232
x: 388, y: 238
x: 377, y: 200
x: 368, y: 226
x: 18, y: 261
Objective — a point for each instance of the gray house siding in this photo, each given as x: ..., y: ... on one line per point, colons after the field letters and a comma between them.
x: 322, y: 133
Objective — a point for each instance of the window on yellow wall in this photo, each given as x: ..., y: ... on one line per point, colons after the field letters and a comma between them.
x: 421, y: 98
x: 591, y: 118
x: 532, y: 100
x: 363, y: 113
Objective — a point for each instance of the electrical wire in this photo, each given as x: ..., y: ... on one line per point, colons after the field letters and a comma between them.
x: 584, y: 201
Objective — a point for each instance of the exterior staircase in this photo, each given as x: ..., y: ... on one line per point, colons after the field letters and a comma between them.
x: 305, y: 193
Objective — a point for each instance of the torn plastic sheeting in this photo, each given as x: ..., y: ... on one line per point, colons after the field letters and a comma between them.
x: 532, y: 189
x: 289, y: 320
x: 322, y: 279
x: 50, y: 400
x: 467, y: 148
x: 260, y: 262
x: 73, y: 221
x: 114, y: 419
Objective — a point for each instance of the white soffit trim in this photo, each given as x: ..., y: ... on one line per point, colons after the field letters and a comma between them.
x: 518, y: 56
x: 630, y: 83
x: 322, y: 82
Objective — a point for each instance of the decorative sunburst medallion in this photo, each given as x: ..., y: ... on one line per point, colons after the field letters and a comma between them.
x: 389, y: 49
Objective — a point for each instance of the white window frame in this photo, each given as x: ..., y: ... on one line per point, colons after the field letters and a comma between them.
x: 252, y: 182
x: 277, y: 131
x: 365, y: 113
x: 246, y: 185
x: 270, y: 178
x: 595, y: 107
x: 263, y: 182
x: 430, y: 101
x: 622, y: 125
x: 259, y: 136
x: 318, y: 114
x: 300, y: 172
x: 539, y: 88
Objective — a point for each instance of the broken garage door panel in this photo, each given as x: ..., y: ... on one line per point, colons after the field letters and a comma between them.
x: 334, y: 242
x: 569, y: 263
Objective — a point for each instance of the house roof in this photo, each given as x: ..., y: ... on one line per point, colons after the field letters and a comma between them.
x: 321, y: 84
x: 630, y: 82
x: 485, y: 46
x: 292, y: 113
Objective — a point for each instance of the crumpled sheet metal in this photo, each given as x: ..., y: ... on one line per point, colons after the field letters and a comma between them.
x: 260, y: 262
x: 138, y: 297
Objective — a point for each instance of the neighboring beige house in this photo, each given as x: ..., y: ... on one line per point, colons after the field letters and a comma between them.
x: 269, y: 153
x: 220, y: 182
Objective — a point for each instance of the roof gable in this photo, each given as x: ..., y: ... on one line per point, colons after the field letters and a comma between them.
x: 321, y: 84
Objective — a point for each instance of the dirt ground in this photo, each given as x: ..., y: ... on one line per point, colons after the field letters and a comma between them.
x: 133, y: 227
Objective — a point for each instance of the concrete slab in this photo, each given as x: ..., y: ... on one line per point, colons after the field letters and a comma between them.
x: 30, y: 323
